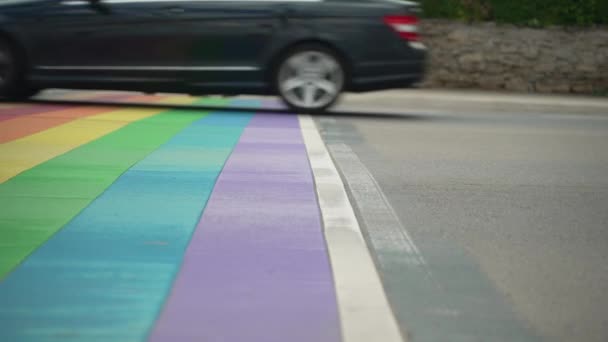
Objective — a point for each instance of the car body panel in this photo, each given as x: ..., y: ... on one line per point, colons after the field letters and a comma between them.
x: 203, y: 46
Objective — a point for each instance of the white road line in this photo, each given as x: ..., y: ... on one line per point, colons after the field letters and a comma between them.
x: 385, y: 233
x: 365, y: 313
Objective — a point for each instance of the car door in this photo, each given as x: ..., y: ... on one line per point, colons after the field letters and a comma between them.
x: 224, y: 41
x: 114, y: 38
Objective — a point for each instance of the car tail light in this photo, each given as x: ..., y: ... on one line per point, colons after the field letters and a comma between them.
x: 405, y: 25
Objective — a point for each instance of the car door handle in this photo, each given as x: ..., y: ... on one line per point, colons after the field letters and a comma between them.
x: 73, y: 2
x: 283, y: 12
x: 174, y: 10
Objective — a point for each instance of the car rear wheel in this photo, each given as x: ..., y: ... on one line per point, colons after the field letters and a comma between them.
x: 310, y: 78
x: 12, y: 83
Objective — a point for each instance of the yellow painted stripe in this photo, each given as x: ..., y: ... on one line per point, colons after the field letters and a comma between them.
x: 22, y: 154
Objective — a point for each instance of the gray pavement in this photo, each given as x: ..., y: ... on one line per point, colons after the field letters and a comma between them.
x: 504, y: 198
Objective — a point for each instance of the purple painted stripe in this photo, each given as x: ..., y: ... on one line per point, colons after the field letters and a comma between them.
x: 257, y: 268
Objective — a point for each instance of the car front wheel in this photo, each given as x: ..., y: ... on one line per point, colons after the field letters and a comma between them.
x: 310, y: 78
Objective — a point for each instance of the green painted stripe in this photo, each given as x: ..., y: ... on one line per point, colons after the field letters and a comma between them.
x: 105, y: 275
x: 38, y: 202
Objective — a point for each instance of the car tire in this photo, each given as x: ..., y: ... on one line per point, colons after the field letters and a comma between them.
x: 310, y: 78
x: 12, y: 76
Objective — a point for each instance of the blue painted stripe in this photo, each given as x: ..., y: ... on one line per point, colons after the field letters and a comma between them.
x: 105, y: 275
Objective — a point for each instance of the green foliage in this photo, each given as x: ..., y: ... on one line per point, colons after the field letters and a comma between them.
x: 521, y: 12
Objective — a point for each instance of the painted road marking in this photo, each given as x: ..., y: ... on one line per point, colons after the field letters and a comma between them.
x: 9, y: 105
x: 386, y: 233
x: 91, y: 95
x: 397, y: 255
x: 256, y: 268
x: 105, y: 275
x: 24, y: 125
x: 23, y: 154
x: 364, y: 309
x: 21, y: 110
x: 441, y: 297
x: 38, y: 202
x: 18, y: 110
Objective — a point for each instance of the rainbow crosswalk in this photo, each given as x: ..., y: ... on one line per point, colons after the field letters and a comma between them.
x: 155, y: 224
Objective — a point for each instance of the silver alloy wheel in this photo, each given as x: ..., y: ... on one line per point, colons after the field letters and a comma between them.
x: 310, y: 79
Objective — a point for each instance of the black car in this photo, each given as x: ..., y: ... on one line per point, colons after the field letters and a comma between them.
x: 306, y: 51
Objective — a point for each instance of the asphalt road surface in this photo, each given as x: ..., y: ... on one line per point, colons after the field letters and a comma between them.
x: 485, y: 215
x: 505, y: 196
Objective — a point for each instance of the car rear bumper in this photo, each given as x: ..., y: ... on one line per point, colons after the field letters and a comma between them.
x: 383, y: 75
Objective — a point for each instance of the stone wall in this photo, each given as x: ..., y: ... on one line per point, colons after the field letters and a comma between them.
x: 491, y: 56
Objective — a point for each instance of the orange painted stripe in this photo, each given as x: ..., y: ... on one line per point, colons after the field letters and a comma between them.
x: 25, y: 125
